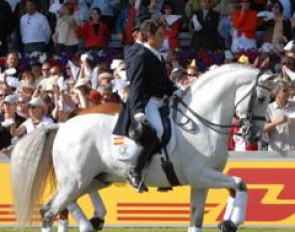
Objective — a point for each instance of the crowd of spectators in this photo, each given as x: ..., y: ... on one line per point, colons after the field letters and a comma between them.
x: 55, y: 55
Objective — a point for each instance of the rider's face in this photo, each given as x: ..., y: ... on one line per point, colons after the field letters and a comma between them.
x: 158, y: 38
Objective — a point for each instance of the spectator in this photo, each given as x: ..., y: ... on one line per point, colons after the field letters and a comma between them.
x: 107, y: 94
x: 65, y: 37
x: 22, y: 107
x: 205, y: 27
x: 278, y: 31
x: 280, y: 124
x: 105, y: 78
x: 95, y: 32
x: 6, y: 25
x: 45, y: 69
x: 286, y: 63
x: 107, y: 8
x: 155, y: 7
x: 192, y: 6
x: 244, y: 28
x: 225, y: 9
x: 12, y: 61
x: 172, y: 27
x: 37, y: 118
x: 36, y: 69
x: 28, y: 78
x: 35, y: 29
x: 192, y: 72
x: 125, y: 22
x: 10, y: 117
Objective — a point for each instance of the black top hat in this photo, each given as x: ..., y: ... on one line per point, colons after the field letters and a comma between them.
x: 138, y: 21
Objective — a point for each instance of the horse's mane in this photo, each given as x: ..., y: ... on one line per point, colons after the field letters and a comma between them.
x: 107, y: 108
x: 211, y: 75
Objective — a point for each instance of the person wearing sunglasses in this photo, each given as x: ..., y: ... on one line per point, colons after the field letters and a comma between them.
x: 36, y: 120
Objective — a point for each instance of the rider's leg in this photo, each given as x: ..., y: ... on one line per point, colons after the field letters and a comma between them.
x: 147, y: 140
x: 153, y: 116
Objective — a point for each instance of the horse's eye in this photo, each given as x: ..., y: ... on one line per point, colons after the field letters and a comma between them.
x: 261, y: 99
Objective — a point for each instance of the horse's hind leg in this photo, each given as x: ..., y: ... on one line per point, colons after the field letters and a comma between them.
x: 198, y: 200
x: 235, y: 212
x: 68, y: 192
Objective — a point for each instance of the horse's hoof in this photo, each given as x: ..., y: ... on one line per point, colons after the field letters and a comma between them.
x: 227, y: 226
x: 97, y: 223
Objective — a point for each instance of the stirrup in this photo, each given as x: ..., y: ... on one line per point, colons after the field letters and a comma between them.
x: 136, y: 183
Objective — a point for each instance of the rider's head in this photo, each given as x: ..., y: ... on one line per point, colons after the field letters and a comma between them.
x: 153, y: 33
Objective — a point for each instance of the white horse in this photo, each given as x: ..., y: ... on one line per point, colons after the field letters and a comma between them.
x: 79, y: 151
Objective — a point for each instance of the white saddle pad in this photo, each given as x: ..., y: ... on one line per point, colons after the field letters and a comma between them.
x: 124, y: 148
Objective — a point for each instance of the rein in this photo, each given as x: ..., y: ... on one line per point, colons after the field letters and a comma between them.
x: 213, y: 126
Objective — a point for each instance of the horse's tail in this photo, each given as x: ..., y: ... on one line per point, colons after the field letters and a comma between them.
x: 31, y: 164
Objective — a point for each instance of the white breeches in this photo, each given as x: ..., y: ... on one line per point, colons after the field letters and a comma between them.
x: 153, y: 115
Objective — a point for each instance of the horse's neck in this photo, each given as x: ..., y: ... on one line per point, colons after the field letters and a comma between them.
x: 214, y: 102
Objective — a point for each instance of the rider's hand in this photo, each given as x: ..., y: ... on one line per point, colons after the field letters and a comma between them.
x: 139, y: 117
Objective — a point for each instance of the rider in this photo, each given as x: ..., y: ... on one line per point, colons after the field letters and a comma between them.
x: 149, y: 83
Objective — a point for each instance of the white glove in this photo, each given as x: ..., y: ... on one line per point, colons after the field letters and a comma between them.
x: 139, y: 117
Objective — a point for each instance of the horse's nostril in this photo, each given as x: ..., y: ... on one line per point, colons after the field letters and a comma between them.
x: 261, y: 99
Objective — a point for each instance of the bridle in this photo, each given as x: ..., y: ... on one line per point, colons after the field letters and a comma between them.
x: 246, y: 123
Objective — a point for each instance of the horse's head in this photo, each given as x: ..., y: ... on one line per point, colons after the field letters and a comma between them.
x: 252, y: 105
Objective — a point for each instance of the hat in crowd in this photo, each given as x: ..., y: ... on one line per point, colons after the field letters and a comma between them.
x: 138, y: 21
x: 106, y: 75
x: 193, y: 64
x: 94, y: 96
x: 243, y: 59
x: 81, y: 82
x: 10, y: 99
x: 36, y: 101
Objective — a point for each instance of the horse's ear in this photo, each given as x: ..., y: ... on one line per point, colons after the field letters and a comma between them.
x: 266, y: 77
x: 267, y: 80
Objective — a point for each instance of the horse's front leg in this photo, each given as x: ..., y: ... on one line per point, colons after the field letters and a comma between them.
x: 197, y: 206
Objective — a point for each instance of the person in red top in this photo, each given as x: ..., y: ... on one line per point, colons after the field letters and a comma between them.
x: 95, y: 32
x: 244, y: 27
x: 172, y: 29
x: 126, y: 21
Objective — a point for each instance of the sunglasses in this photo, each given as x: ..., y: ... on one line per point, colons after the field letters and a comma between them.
x: 192, y: 75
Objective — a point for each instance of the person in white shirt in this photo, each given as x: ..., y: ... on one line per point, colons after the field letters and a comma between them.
x: 65, y: 37
x: 34, y: 28
x: 36, y: 120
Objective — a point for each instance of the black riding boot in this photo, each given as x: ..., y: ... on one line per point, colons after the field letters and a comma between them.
x: 134, y: 175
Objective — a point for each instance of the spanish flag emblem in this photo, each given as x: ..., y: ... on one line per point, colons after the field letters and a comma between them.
x: 119, y: 140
